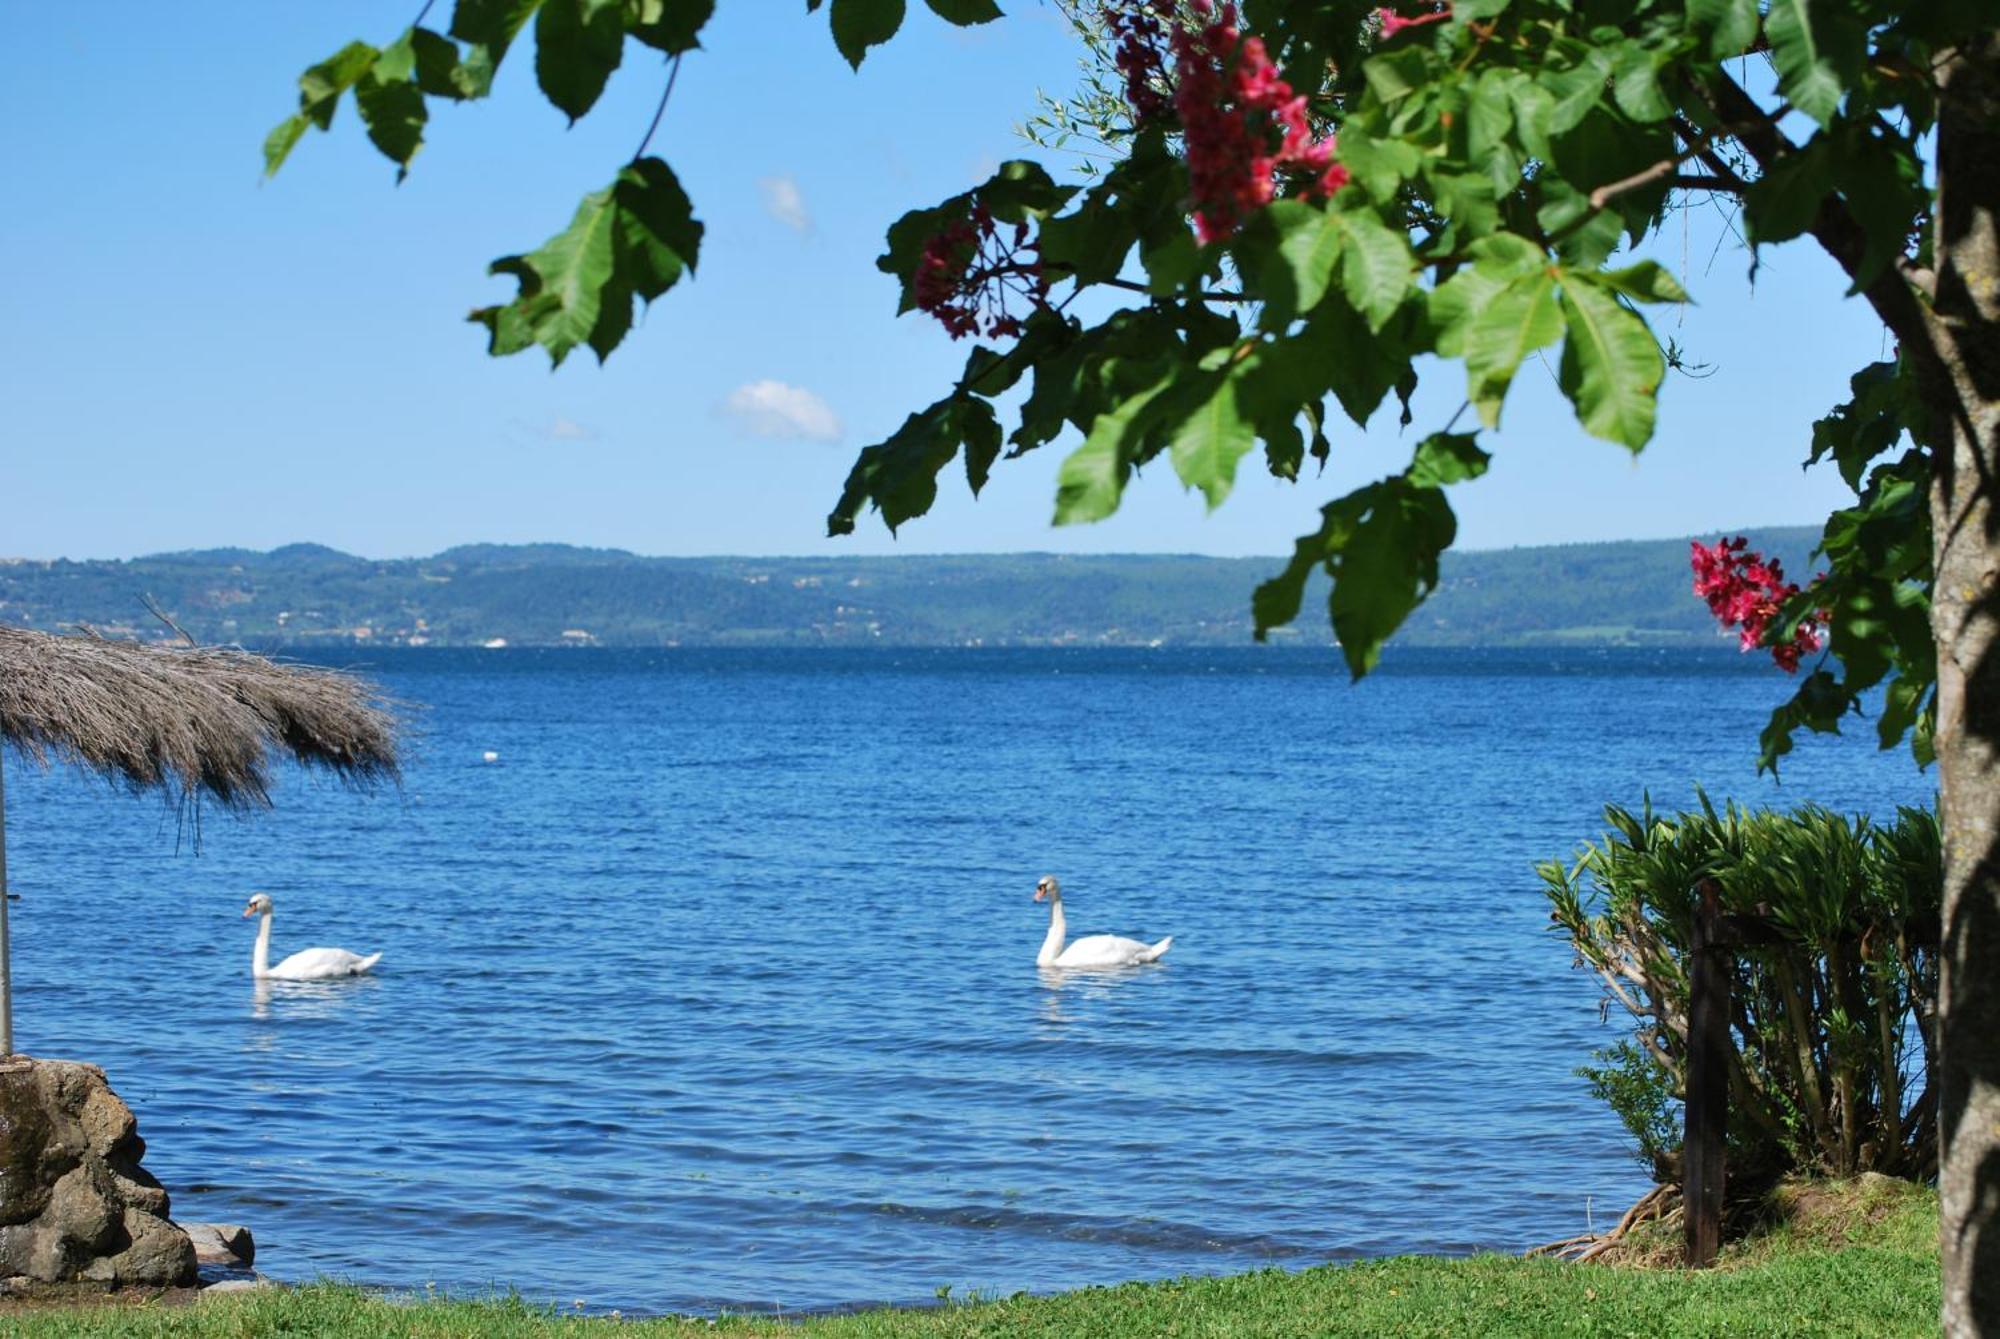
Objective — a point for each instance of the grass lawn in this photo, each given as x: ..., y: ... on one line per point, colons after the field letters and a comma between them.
x: 1855, y: 1260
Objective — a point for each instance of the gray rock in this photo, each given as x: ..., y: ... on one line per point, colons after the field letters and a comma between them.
x: 221, y: 1243
x: 75, y: 1205
x: 238, y: 1286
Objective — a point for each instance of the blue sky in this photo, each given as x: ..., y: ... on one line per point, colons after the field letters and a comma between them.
x: 194, y: 359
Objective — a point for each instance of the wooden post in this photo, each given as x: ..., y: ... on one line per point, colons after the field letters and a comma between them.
x: 1707, y: 1102
x: 6, y: 952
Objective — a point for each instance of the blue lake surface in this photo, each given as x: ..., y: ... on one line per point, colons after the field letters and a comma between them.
x: 718, y: 988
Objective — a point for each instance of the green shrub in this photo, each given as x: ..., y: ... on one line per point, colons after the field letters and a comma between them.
x: 1833, y: 1039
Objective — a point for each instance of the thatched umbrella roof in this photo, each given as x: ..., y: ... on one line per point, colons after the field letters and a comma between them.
x: 190, y: 720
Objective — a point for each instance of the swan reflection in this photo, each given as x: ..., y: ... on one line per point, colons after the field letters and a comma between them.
x: 1069, y: 992
x: 300, y: 1000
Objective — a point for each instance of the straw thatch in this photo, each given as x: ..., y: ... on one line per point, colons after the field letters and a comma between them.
x: 190, y: 720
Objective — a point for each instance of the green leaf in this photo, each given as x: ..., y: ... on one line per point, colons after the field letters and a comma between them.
x: 1648, y: 281
x: 391, y: 105
x: 634, y: 238
x: 860, y: 24
x: 1611, y: 365
x: 279, y: 143
x: 1731, y: 25
x: 1636, y: 70
x: 1092, y: 479
x: 1380, y: 165
x: 1360, y: 368
x: 320, y: 88
x: 1448, y: 458
x: 1209, y: 442
x: 488, y: 27
x: 899, y: 476
x: 578, y: 43
x: 1380, y: 544
x: 436, y: 62
x: 1376, y: 267
x: 1578, y: 87
x: 1516, y: 321
x: 672, y: 26
x: 1298, y: 246
x: 1783, y: 202
x: 1806, y: 72
x: 965, y: 13
x: 1394, y: 75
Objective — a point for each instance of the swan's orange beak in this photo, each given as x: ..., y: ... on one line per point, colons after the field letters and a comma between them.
x: 249, y: 912
x: 1041, y: 894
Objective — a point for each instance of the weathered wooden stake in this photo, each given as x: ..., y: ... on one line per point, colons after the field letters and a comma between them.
x: 1707, y: 1103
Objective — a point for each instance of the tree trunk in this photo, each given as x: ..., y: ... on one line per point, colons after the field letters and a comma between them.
x: 1963, y: 399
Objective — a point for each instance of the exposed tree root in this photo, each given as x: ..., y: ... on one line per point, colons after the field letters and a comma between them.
x: 1659, y: 1202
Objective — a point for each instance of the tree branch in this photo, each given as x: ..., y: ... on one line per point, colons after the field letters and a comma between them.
x: 1834, y: 228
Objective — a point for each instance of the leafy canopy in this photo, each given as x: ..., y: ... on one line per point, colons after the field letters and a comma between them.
x: 1501, y: 167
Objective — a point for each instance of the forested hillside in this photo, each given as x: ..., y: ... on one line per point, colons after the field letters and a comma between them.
x: 528, y: 595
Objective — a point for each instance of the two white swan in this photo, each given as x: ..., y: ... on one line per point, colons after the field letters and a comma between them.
x: 1091, y: 950
x: 311, y: 964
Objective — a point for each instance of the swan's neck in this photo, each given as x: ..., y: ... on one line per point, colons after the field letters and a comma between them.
x: 260, y: 961
x: 1052, y: 947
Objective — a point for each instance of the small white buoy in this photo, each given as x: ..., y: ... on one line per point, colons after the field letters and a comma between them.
x: 490, y: 756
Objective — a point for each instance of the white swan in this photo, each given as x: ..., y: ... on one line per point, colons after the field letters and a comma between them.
x: 311, y: 964
x: 1091, y: 950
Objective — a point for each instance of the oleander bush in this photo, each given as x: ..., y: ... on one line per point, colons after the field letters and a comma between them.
x: 1833, y: 1025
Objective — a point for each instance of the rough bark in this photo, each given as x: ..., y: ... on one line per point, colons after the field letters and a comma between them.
x: 1963, y: 401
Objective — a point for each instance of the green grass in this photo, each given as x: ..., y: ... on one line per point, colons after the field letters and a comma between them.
x: 1847, y: 1263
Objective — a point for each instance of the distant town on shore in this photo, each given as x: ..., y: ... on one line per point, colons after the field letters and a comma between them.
x: 306, y: 595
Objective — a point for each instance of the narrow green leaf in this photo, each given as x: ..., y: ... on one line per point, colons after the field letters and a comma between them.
x: 279, y: 143
x: 860, y: 24
x: 1648, y: 281
x: 1519, y: 319
x: 965, y: 13
x: 1611, y: 365
x: 321, y: 86
x: 1376, y: 267
x: 578, y: 43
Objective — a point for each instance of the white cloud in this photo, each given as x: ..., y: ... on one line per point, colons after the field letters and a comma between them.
x: 569, y: 430
x: 773, y: 409
x: 784, y: 202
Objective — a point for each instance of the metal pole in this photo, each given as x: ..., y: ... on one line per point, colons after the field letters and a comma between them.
x: 6, y: 953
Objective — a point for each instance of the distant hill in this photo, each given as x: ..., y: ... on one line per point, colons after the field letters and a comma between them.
x: 552, y: 594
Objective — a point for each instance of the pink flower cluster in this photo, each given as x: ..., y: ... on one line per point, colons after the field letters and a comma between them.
x: 1742, y: 588
x: 968, y: 270
x: 1393, y: 23
x: 1232, y: 104
x: 1243, y: 126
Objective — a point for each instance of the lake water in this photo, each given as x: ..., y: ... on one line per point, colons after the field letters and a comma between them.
x: 718, y: 989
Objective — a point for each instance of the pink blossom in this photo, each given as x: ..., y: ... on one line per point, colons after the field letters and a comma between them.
x: 968, y: 271
x: 1744, y: 589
